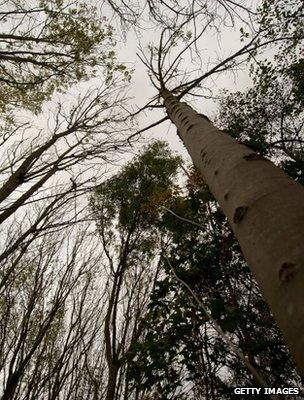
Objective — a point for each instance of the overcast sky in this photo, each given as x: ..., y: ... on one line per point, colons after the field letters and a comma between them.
x: 213, y: 45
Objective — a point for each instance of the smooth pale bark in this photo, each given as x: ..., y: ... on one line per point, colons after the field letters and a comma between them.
x: 265, y: 209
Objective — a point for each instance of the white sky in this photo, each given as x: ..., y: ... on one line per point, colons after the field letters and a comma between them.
x: 213, y: 45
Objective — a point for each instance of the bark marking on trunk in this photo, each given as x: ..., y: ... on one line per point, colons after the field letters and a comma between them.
x: 265, y: 209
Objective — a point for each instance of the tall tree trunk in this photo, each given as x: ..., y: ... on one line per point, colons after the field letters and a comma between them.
x: 265, y: 209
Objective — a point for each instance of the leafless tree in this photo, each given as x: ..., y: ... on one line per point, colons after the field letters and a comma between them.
x: 50, y: 314
x: 52, y: 307
x: 171, y: 13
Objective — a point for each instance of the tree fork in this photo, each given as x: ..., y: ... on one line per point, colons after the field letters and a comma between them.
x: 265, y: 209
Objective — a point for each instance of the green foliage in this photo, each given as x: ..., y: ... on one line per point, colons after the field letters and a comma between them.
x: 280, y: 22
x: 52, y: 45
x: 180, y: 345
x: 296, y: 73
x: 269, y: 118
x: 133, y: 197
x: 179, y: 338
x: 282, y: 19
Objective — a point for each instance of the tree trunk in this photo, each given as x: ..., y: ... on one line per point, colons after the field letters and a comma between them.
x: 265, y: 209
x: 112, y: 379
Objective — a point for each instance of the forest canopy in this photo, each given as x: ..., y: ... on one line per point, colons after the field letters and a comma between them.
x: 128, y: 269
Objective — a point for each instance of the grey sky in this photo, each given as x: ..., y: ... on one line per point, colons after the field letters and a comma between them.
x: 213, y: 45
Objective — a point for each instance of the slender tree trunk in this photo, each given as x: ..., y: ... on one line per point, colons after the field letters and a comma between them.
x: 265, y: 209
x: 112, y: 379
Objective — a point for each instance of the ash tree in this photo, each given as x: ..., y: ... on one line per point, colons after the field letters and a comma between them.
x: 263, y: 205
